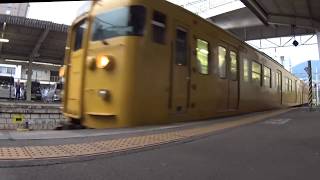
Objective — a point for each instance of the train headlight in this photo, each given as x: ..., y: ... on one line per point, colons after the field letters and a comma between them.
x: 104, y: 62
x: 104, y: 94
x: 62, y: 71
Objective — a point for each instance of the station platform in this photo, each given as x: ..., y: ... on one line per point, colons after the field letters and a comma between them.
x: 281, y: 144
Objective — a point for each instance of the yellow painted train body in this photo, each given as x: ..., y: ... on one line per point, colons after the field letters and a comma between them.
x: 142, y: 62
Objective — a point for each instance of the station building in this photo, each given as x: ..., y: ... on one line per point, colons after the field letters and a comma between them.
x: 15, y: 9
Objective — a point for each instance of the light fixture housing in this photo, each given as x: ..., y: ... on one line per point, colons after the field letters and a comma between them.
x: 4, y: 40
x: 91, y: 62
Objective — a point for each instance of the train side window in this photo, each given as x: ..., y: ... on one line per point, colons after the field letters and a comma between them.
x: 202, y: 56
x: 159, y: 27
x: 78, y: 34
x: 274, y: 79
x: 278, y: 80
x: 181, y: 47
x: 233, y: 65
x: 246, y: 70
x: 267, y: 77
x: 256, y: 73
x: 222, y: 52
x: 287, y: 84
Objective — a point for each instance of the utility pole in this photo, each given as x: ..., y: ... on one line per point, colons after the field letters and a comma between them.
x: 290, y: 65
x: 309, y: 70
x: 315, y: 93
x: 317, y: 87
x: 282, y: 60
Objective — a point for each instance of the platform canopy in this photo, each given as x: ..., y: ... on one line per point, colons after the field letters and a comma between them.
x: 41, y: 41
x: 271, y: 18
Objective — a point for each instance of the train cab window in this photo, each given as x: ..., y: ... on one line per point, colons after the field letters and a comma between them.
x: 159, y: 27
x: 222, y: 52
x: 181, y: 47
x: 125, y: 21
x: 246, y: 70
x: 78, y: 34
x: 202, y: 56
x: 233, y: 65
x: 267, y: 77
x: 256, y: 73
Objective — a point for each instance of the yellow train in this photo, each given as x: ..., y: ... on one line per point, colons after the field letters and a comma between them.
x: 142, y: 62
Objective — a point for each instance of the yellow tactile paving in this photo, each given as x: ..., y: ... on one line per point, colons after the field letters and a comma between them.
x: 13, y: 153
x: 82, y: 149
x: 123, y: 144
x: 37, y: 152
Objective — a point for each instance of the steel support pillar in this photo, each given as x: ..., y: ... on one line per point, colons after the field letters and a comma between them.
x: 310, y: 84
x: 318, y: 68
x: 34, y: 54
x: 29, y: 80
x: 318, y: 37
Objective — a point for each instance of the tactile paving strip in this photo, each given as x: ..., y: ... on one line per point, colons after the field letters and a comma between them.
x: 117, y: 145
x: 82, y: 149
x: 13, y: 153
x: 37, y: 152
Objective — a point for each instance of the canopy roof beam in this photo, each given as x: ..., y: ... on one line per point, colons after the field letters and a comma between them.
x: 257, y: 10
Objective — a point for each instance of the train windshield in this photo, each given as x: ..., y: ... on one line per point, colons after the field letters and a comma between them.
x: 126, y: 21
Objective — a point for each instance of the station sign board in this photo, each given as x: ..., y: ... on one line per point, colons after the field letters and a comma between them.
x: 18, y: 118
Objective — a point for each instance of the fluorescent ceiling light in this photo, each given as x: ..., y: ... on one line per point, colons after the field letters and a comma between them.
x: 47, y: 64
x: 19, y: 61
x: 4, y: 40
x: 38, y: 63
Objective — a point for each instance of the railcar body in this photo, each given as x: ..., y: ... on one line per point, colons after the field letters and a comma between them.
x: 141, y: 62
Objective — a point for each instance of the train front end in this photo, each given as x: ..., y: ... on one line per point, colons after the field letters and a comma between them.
x: 100, y: 64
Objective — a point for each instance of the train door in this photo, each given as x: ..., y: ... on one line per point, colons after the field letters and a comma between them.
x: 180, y: 70
x: 301, y: 93
x: 295, y: 92
x: 75, y: 71
x: 233, y: 79
x: 222, y: 82
x: 279, y: 85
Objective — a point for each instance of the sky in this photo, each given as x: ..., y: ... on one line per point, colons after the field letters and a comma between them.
x: 292, y: 55
x: 58, y: 12
x: 66, y: 12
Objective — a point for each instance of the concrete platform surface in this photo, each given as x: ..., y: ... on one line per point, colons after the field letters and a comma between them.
x: 285, y: 146
x: 84, y: 133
